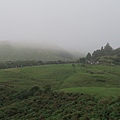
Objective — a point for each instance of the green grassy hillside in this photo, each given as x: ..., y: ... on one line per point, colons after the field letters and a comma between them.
x: 97, y: 91
x: 13, y: 52
x: 63, y: 77
x: 91, y: 92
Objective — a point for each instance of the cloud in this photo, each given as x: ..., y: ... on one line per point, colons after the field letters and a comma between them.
x: 82, y: 25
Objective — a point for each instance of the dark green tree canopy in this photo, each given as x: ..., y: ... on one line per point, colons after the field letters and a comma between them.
x: 88, y: 57
x: 82, y: 60
x: 107, y: 50
x: 108, y: 47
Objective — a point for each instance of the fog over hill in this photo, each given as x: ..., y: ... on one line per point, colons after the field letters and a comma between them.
x: 11, y: 50
x: 74, y: 25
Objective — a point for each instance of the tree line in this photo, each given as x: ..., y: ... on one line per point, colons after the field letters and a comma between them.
x: 16, y: 64
x: 106, y: 55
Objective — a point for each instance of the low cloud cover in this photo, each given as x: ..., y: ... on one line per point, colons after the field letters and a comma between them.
x: 79, y: 25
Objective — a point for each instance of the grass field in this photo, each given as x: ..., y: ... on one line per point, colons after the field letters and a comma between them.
x: 95, y: 79
x: 92, y: 92
x: 97, y: 91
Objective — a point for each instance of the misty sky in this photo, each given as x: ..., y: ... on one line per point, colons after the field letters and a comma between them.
x: 83, y: 25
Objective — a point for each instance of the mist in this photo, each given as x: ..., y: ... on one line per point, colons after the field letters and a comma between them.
x: 75, y: 25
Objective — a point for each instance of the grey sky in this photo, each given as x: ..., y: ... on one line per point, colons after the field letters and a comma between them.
x: 83, y: 25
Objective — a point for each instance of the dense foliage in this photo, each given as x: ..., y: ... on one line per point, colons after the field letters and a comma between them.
x: 105, y: 55
x: 37, y: 104
x: 107, y: 50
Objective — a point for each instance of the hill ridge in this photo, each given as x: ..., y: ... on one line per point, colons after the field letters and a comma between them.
x: 12, y: 52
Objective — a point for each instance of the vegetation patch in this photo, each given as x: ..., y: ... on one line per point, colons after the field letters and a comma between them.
x: 60, y: 92
x: 50, y: 105
x: 97, y: 91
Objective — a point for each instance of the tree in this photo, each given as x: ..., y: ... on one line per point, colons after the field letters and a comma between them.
x: 40, y: 62
x: 101, y: 48
x: 88, y: 57
x: 108, y: 49
x: 3, y: 66
x: 82, y: 60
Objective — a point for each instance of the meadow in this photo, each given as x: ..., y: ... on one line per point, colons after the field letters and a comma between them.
x: 91, y: 79
x: 60, y: 92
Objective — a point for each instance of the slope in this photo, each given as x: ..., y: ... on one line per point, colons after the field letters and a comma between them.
x: 13, y: 52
